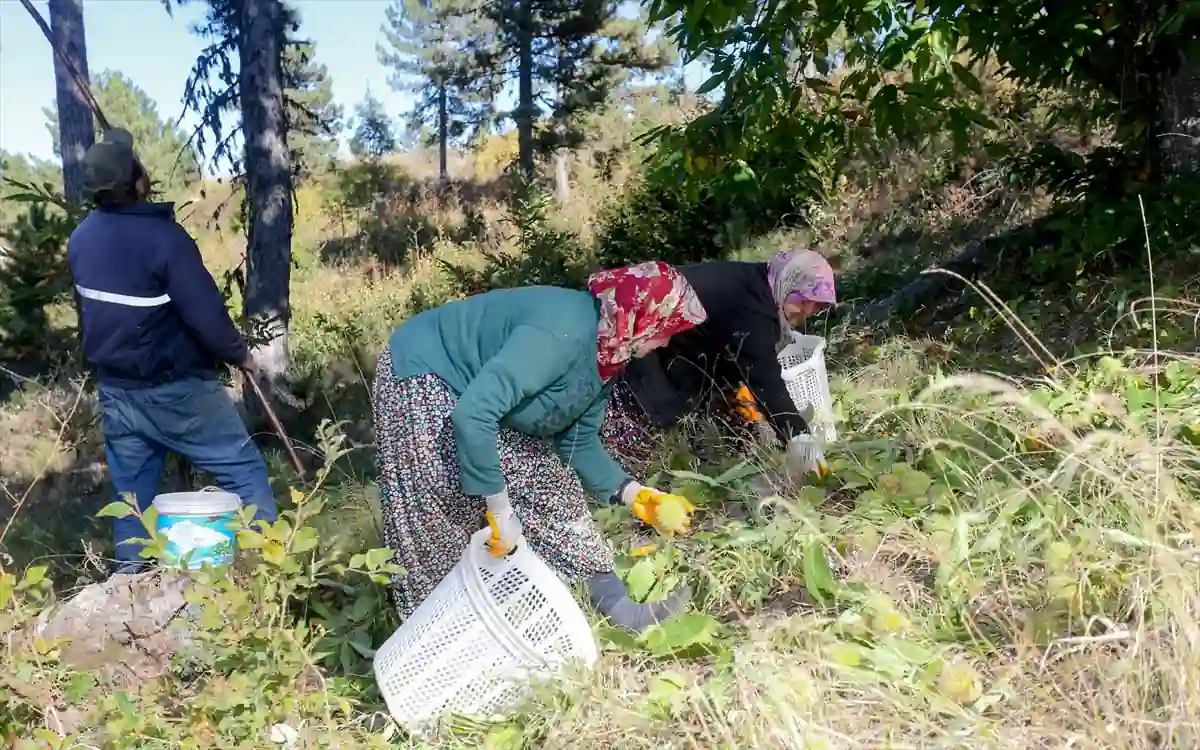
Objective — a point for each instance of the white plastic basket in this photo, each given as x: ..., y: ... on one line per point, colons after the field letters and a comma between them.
x: 475, y: 646
x: 803, y: 363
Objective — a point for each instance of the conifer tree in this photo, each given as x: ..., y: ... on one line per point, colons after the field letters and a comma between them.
x: 314, y: 119
x: 430, y: 47
x: 162, y: 146
x: 374, y: 135
x: 566, y: 58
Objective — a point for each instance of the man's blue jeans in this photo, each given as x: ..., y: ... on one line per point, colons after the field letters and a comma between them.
x: 194, y: 418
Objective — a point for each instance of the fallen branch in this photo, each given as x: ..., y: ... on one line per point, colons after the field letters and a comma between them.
x: 975, y: 257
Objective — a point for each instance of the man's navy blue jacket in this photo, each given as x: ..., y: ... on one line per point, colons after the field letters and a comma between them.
x: 151, y: 312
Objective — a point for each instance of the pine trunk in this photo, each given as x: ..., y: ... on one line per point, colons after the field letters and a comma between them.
x: 1179, y: 112
x: 525, y: 105
x: 268, y: 188
x: 443, y: 132
x: 562, y: 175
x: 76, y: 129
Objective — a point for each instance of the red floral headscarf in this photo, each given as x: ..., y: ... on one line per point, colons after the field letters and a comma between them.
x: 640, y: 303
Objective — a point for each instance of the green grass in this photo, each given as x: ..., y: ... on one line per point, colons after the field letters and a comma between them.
x: 1003, y: 565
x: 996, y: 561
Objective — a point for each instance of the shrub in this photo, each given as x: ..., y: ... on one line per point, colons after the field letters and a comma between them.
x: 33, y: 278
x: 544, y: 255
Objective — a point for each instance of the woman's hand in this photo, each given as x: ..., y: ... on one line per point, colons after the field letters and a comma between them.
x: 669, y: 514
x: 506, y: 527
x: 805, y: 454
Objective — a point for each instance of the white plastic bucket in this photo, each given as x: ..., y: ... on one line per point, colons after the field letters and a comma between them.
x: 200, y: 523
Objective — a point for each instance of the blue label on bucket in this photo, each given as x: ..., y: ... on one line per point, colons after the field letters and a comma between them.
x: 209, y: 539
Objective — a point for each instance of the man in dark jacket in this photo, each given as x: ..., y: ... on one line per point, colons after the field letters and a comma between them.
x: 155, y: 329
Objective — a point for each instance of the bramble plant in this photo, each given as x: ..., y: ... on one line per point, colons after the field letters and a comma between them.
x: 262, y: 633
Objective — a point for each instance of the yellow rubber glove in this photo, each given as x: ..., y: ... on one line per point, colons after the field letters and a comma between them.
x: 506, y: 529
x: 746, y: 405
x: 669, y: 514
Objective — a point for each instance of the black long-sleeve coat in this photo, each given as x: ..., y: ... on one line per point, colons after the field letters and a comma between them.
x: 736, y: 344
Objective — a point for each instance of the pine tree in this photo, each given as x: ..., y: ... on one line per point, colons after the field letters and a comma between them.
x: 241, y: 69
x: 162, y: 147
x: 33, y: 276
x: 570, y: 55
x: 430, y: 50
x: 27, y: 170
x: 212, y: 90
x: 314, y: 119
x: 374, y: 135
x: 66, y: 27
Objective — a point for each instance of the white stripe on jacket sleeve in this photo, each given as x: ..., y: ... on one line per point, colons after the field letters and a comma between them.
x: 126, y: 300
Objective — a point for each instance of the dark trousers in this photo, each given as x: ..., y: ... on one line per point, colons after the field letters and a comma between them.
x: 194, y: 418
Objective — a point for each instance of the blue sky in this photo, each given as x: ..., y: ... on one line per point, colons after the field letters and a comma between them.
x: 156, y: 51
x: 138, y: 38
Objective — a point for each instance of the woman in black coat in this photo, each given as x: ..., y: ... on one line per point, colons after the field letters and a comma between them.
x: 750, y: 306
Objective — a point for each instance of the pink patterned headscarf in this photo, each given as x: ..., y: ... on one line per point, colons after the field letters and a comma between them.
x: 641, y: 303
x: 801, y: 276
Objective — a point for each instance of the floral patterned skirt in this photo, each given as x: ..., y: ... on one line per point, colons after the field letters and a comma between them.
x: 428, y: 522
x: 627, y: 433
x: 634, y: 440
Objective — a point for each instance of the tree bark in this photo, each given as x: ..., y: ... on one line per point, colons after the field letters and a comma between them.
x: 525, y: 106
x: 76, y: 129
x: 268, y: 188
x: 977, y: 256
x: 443, y: 132
x: 1179, y: 110
x: 562, y: 175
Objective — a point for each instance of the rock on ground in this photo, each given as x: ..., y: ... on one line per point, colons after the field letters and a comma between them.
x: 126, y: 628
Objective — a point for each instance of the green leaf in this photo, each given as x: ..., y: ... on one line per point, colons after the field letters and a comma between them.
x: 818, y: 578
x: 743, y: 470
x: 504, y: 737
x: 943, y: 45
x: 7, y: 586
x: 79, y: 687
x: 700, y: 494
x: 304, y: 540
x: 665, y: 686
x: 966, y: 77
x: 641, y: 579
x: 116, y: 509
x: 364, y: 607
x: 619, y: 639
x: 378, y: 557
x: 681, y: 633
x: 911, y: 651
x: 741, y: 538
x: 692, y: 476
x: 250, y: 540
x: 712, y: 83
x: 32, y: 577
x: 744, y: 173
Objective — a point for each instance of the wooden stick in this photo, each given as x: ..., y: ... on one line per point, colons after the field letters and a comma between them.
x: 275, y: 423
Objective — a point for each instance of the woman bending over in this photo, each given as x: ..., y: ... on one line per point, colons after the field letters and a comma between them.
x: 750, y: 307
x: 488, y: 409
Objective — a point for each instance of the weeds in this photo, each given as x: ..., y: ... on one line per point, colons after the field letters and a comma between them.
x: 994, y: 562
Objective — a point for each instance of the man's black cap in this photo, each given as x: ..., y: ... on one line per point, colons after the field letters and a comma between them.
x: 109, y: 164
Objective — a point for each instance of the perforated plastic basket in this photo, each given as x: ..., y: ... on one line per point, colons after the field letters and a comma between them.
x: 803, y: 363
x: 488, y: 630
